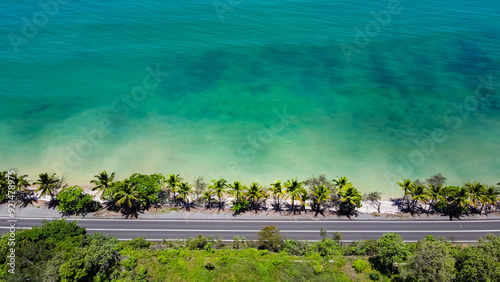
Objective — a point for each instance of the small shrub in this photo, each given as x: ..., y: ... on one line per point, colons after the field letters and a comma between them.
x: 142, y: 274
x: 198, y: 243
x: 357, y: 248
x: 129, y: 263
x: 209, y: 265
x: 263, y: 252
x: 326, y: 248
x: 293, y: 247
x: 208, y: 248
x: 338, y: 237
x: 374, y: 277
x: 360, y: 265
x: 270, y: 238
x: 318, y: 268
x: 137, y: 243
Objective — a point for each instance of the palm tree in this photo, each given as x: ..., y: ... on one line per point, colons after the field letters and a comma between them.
x: 23, y: 194
x: 103, y: 182
x: 277, y: 190
x: 340, y: 183
x: 184, y: 190
x: 255, y: 193
x: 489, y: 197
x: 237, y: 188
x: 21, y: 182
x: 435, y: 195
x: 219, y: 186
x: 349, y: 201
x: 458, y: 199
x: 208, y: 196
x: 320, y: 195
x: 476, y: 190
x: 127, y: 198
x: 293, y: 188
x: 3, y: 186
x: 407, y: 186
x: 173, y: 181
x: 418, y: 194
x: 126, y: 193
x: 303, y: 197
x: 48, y: 183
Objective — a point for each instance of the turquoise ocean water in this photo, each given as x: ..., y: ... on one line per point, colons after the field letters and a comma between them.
x: 256, y: 90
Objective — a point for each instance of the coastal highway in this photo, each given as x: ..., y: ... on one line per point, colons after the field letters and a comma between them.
x: 157, y: 229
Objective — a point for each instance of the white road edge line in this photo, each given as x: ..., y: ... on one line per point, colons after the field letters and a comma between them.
x: 283, y: 231
x: 262, y: 221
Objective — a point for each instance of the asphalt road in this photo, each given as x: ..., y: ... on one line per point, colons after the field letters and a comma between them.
x: 412, y: 230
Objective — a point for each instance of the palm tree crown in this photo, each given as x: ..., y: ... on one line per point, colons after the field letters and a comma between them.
x: 293, y: 188
x: 48, y: 183
x: 237, y: 188
x: 103, y: 182
x: 127, y: 194
x: 219, y: 186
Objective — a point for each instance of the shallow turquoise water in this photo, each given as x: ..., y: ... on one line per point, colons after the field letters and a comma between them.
x: 265, y: 92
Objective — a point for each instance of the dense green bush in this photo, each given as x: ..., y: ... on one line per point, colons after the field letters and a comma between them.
x: 327, y: 248
x: 360, y: 265
x: 137, y: 243
x: 481, y: 262
x: 72, y: 200
x: 391, y: 250
x: 129, y: 263
x: 362, y: 247
x: 60, y: 251
x: 432, y: 260
x: 294, y: 247
x: 270, y: 238
x: 198, y: 243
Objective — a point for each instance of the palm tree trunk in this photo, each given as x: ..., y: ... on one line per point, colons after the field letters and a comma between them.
x: 317, y: 210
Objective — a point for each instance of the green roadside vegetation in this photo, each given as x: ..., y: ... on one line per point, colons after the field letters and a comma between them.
x: 139, y: 192
x: 63, y: 251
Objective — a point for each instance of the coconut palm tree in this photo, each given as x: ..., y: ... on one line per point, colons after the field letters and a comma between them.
x: 127, y: 195
x: 458, y: 200
x: 127, y: 198
x: 255, y: 192
x: 418, y: 194
x: 21, y: 183
x: 208, y: 196
x: 350, y: 200
x: 278, y: 191
x: 23, y: 194
x: 48, y: 184
x: 303, y: 197
x: 476, y: 190
x: 236, y: 189
x: 489, y: 197
x: 407, y: 186
x: 103, y: 183
x: 219, y: 186
x: 173, y: 181
x: 184, y: 190
x: 435, y: 195
x: 320, y: 195
x: 3, y: 186
x: 293, y: 188
x: 341, y: 183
